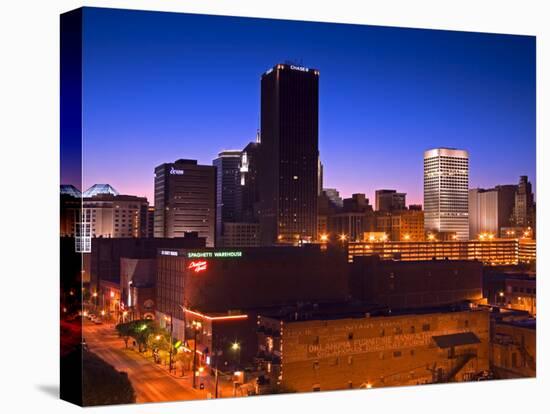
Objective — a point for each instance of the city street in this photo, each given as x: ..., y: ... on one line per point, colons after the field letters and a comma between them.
x: 151, y: 382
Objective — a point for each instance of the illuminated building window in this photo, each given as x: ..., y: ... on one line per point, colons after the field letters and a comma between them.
x: 426, y: 327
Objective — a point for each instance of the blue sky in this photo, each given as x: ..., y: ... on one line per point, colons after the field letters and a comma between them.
x: 163, y: 86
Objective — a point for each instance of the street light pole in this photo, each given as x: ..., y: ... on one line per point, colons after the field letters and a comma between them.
x: 195, y: 358
x: 170, y: 342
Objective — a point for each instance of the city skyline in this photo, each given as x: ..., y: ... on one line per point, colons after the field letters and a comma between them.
x: 243, y: 250
x: 392, y: 92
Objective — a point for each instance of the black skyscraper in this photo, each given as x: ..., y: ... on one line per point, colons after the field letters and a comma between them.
x: 228, y: 186
x: 249, y: 182
x: 289, y: 154
x: 185, y: 200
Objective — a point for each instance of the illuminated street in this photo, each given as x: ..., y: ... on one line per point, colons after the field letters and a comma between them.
x: 150, y: 382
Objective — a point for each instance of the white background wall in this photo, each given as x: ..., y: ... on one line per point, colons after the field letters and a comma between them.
x: 29, y: 148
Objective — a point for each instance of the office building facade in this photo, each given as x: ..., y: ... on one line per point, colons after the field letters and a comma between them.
x: 228, y: 186
x: 389, y: 200
x: 524, y: 205
x: 446, y: 174
x: 185, y: 200
x: 106, y: 213
x: 249, y: 181
x: 490, y: 210
x: 289, y: 154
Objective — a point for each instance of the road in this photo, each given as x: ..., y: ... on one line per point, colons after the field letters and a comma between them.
x: 151, y: 382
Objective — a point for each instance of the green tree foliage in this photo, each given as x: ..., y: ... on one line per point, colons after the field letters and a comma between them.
x: 139, y: 330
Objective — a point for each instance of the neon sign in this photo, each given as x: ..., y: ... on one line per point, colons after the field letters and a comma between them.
x: 198, y: 266
x: 215, y: 254
x: 300, y: 68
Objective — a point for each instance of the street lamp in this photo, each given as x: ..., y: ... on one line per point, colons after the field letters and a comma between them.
x: 343, y: 237
x: 324, y: 237
x: 236, y: 347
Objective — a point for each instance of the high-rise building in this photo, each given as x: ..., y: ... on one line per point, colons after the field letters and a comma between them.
x: 249, y: 191
x: 289, y: 154
x: 390, y: 200
x: 334, y: 197
x: 228, y: 186
x: 490, y: 210
x: 446, y: 173
x: 185, y: 200
x: 150, y: 233
x: 524, y: 208
x: 240, y: 234
x: 319, y: 177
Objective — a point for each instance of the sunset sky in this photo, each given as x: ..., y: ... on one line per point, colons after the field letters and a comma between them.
x: 163, y: 86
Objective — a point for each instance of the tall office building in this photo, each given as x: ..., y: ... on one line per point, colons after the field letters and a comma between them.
x: 389, y: 200
x: 185, y: 200
x: 524, y: 208
x: 490, y: 210
x: 334, y: 197
x: 319, y: 177
x: 446, y: 173
x: 228, y: 186
x: 249, y: 191
x: 289, y: 154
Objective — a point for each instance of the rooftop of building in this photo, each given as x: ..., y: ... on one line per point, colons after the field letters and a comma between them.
x: 527, y: 323
x: 530, y: 276
x: 98, y: 189
x: 71, y: 190
x: 307, y: 248
x: 351, y: 310
x: 291, y: 65
x: 230, y: 153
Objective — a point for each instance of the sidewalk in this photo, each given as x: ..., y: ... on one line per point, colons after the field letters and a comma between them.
x: 225, y: 388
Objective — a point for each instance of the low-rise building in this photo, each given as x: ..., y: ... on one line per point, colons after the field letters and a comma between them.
x: 514, y: 349
x: 489, y: 252
x: 315, y: 350
x: 512, y: 290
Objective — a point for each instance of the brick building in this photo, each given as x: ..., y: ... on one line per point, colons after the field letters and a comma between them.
x: 317, y: 351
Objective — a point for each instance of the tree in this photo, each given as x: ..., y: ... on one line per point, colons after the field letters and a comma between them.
x: 102, y: 384
x: 125, y: 332
x: 139, y: 330
x: 159, y: 339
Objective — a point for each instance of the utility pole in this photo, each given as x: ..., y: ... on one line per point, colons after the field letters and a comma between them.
x: 196, y: 327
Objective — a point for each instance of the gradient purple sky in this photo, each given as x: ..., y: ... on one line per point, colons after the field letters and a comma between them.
x: 163, y: 86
